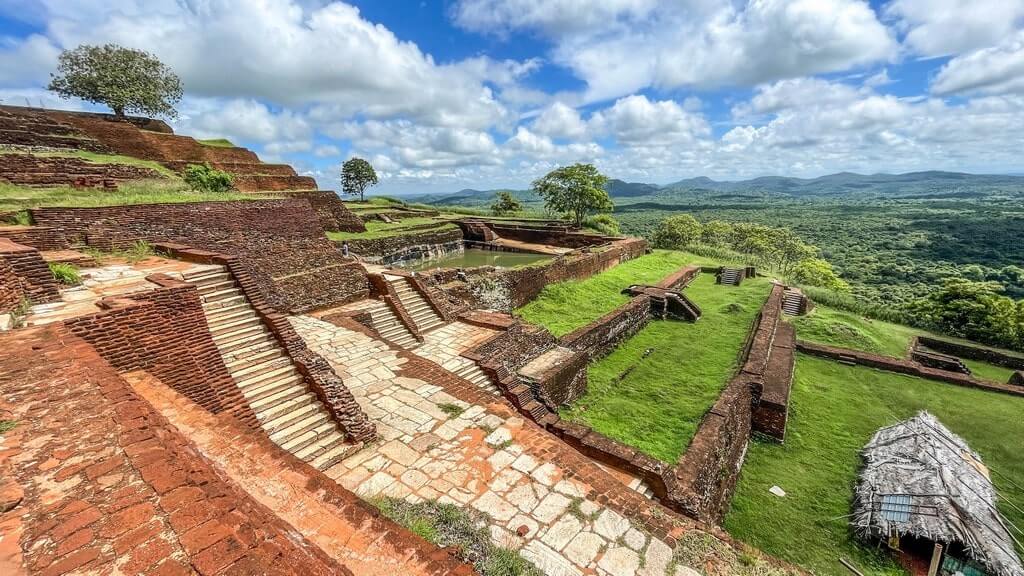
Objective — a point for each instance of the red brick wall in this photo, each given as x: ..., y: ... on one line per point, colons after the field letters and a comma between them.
x: 281, y: 242
x: 772, y: 411
x: 334, y: 215
x: 11, y: 290
x: 38, y: 237
x: 30, y: 170
x: 980, y: 353
x: 164, y: 332
x: 36, y: 280
x: 395, y: 245
x: 602, y: 335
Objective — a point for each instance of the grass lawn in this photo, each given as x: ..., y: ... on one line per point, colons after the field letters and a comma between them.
x: 658, y: 405
x: 834, y: 327
x: 565, y: 306
x: 14, y: 198
x: 833, y: 413
x: 379, y: 229
x: 217, y: 143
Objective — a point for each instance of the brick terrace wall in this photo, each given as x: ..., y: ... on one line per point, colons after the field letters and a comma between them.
x: 280, y: 241
x: 972, y: 352
x: 11, y: 290
x: 602, y: 335
x: 36, y: 282
x: 135, y: 496
x: 164, y: 332
x: 903, y: 366
x: 38, y: 237
x: 334, y: 215
x: 30, y: 170
x: 679, y: 279
x: 772, y: 411
x: 554, y: 235
x: 424, y: 241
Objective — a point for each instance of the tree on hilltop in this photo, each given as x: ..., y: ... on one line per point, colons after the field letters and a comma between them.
x: 506, y: 203
x: 125, y: 79
x: 576, y: 190
x: 356, y: 176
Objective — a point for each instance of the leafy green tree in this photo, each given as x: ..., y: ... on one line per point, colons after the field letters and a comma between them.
x: 506, y: 204
x: 124, y: 79
x: 716, y: 233
x: 974, y: 310
x: 576, y: 190
x: 356, y: 176
x: 677, y: 232
x: 204, y: 178
x: 817, y: 272
x: 605, y: 224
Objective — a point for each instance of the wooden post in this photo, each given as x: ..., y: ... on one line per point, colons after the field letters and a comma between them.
x: 933, y: 568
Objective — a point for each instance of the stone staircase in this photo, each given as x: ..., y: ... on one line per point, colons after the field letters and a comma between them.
x: 423, y: 314
x: 731, y: 276
x: 793, y: 303
x: 390, y: 327
x: 470, y: 371
x: 287, y: 410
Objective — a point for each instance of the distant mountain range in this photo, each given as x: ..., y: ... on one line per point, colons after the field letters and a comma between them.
x: 843, y: 184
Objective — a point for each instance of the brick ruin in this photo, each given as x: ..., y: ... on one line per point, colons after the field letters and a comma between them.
x: 55, y: 131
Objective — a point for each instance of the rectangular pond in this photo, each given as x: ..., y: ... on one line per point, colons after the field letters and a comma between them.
x: 474, y: 257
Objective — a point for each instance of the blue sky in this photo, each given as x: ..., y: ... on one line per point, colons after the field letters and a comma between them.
x: 443, y: 95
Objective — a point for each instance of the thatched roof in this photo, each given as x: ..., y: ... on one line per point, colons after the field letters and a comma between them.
x: 921, y: 479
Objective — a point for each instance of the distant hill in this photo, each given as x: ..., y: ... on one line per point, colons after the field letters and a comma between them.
x: 930, y: 184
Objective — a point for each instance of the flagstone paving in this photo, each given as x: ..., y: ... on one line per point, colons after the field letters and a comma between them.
x: 435, y: 446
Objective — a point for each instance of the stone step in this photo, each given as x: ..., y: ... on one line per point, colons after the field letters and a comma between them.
x: 254, y: 382
x: 209, y: 278
x: 240, y: 332
x: 222, y: 303
x: 313, y: 435
x: 228, y: 314
x: 333, y: 455
x: 282, y: 414
x: 234, y: 324
x: 322, y: 445
x: 221, y: 295
x: 216, y: 286
x: 247, y: 355
x: 310, y: 422
x: 274, y: 387
x: 253, y: 340
x: 198, y: 275
x: 263, y: 362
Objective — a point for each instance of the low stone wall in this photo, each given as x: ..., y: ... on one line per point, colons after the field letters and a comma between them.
x: 772, y: 411
x: 11, y: 291
x: 679, y: 279
x: 334, y: 215
x: 280, y: 241
x: 602, y: 335
x: 32, y: 170
x: 39, y: 237
x: 553, y: 235
x: 705, y: 475
x: 407, y: 246
x: 35, y: 281
x: 903, y: 366
x: 316, y: 371
x: 164, y: 332
x: 980, y: 353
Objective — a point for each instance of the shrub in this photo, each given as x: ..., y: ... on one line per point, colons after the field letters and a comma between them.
x: 204, y: 178
x: 20, y: 218
x: 677, y: 232
x: 605, y: 224
x: 505, y: 203
x: 66, y: 274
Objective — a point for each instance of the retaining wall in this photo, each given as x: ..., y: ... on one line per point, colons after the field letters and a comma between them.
x: 281, y: 242
x: 34, y: 279
x: 602, y: 335
x: 980, y: 353
x: 164, y: 332
x: 31, y: 170
x: 415, y: 244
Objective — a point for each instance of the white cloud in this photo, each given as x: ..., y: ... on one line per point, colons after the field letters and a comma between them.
x: 288, y: 54
x: 943, y: 27
x: 327, y: 151
x: 26, y: 62
x: 636, y: 121
x: 415, y: 146
x: 560, y: 121
x: 995, y: 70
x: 243, y: 120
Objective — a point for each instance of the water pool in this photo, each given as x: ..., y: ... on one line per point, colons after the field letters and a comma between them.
x: 473, y: 257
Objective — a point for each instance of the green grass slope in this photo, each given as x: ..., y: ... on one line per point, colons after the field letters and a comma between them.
x: 834, y: 411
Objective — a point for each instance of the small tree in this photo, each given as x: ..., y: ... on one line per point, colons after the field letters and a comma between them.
x: 204, y: 178
x: 124, y: 79
x: 356, y: 176
x: 506, y: 203
x: 677, y: 232
x: 576, y: 190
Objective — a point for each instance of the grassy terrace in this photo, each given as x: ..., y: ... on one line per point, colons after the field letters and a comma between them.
x: 378, y: 229
x: 13, y: 198
x: 564, y: 307
x: 834, y: 411
x: 826, y: 325
x: 95, y: 158
x: 657, y: 406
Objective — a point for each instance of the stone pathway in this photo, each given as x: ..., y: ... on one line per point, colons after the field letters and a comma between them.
x: 438, y: 447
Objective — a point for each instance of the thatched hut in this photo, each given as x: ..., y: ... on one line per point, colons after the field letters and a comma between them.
x: 925, y: 493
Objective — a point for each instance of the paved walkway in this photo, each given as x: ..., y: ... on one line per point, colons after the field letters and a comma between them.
x: 438, y: 447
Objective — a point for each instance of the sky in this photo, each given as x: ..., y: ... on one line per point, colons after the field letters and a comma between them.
x: 451, y: 94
